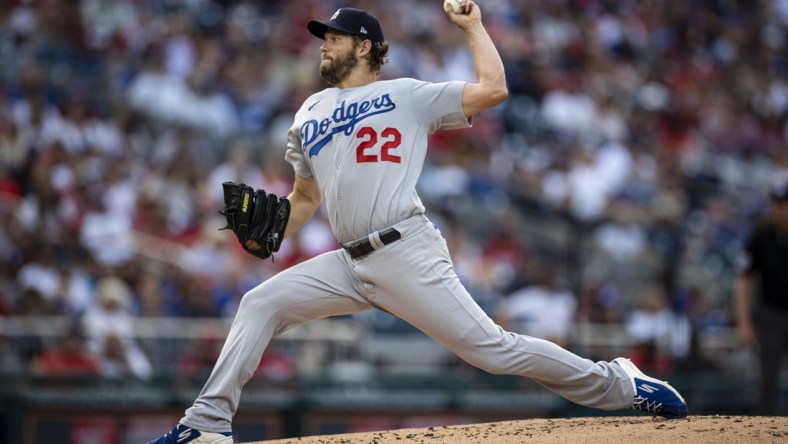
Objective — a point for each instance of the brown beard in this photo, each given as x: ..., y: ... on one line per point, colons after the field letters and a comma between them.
x: 339, y: 69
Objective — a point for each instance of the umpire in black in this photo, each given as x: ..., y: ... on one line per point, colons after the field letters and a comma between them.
x: 763, y: 272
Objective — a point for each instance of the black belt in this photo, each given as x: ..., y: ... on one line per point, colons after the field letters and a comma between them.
x: 362, y: 247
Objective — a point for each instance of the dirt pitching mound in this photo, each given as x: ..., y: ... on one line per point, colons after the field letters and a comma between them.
x: 620, y: 429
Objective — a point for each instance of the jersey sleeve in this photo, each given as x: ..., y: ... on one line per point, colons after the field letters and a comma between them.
x: 438, y: 106
x: 295, y: 153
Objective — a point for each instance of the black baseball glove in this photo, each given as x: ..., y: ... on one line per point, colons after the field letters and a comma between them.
x: 257, y: 216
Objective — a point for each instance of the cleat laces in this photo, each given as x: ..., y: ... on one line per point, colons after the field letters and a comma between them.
x: 645, y: 405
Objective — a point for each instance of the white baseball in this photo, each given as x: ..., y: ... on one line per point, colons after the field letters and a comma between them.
x: 455, y: 5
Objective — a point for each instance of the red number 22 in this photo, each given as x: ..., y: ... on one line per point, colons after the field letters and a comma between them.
x: 392, y: 140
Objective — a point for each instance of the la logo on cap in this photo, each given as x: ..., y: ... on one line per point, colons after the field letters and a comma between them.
x: 363, y: 30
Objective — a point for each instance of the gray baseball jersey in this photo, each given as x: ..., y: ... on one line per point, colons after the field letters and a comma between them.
x: 365, y: 148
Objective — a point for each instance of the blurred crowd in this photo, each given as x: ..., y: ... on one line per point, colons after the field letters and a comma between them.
x: 614, y: 186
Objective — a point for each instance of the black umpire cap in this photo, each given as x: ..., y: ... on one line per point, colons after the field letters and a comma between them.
x: 350, y: 21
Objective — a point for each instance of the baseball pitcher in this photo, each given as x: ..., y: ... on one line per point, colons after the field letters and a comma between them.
x: 358, y: 148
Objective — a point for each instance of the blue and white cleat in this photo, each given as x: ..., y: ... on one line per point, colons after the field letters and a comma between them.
x: 652, y: 395
x: 181, y: 434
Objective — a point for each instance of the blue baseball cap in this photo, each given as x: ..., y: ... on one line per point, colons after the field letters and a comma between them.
x: 350, y: 21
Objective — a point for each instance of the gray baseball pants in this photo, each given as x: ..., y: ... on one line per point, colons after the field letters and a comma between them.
x: 414, y: 279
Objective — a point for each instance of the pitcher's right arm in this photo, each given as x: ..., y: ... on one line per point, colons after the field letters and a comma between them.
x: 490, y: 88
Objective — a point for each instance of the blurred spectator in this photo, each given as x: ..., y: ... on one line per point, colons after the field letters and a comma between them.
x: 761, y: 297
x: 197, y: 362
x: 544, y: 308
x: 660, y: 334
x: 601, y: 303
x: 41, y: 276
x: 69, y: 358
x: 239, y: 166
x: 148, y: 288
x: 108, y: 327
x: 32, y: 303
x: 622, y: 238
x: 179, y: 95
x: 567, y: 107
x: 10, y: 361
x: 107, y: 235
x: 108, y: 22
x: 504, y: 252
x: 114, y: 363
x: 276, y: 364
x: 210, y: 254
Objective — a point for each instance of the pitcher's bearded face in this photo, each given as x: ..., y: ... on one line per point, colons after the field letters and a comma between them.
x: 335, y: 69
